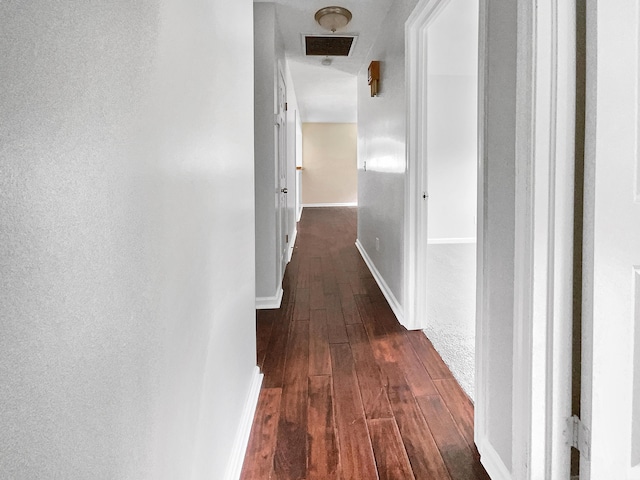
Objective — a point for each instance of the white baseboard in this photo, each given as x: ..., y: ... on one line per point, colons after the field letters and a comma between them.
x: 491, y: 461
x: 292, y: 243
x: 299, y: 214
x: 265, y: 303
x: 386, y: 291
x: 439, y: 241
x: 234, y: 466
x: 313, y: 205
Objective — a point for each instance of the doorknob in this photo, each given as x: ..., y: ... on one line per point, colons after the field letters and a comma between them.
x: 284, y: 190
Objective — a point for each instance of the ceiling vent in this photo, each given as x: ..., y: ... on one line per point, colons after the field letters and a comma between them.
x: 329, y: 45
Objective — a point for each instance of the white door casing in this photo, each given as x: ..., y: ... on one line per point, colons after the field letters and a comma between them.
x: 496, y: 115
x: 544, y: 238
x: 540, y: 357
x: 611, y: 289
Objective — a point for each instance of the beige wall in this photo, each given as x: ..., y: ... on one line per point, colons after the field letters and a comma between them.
x: 329, y: 153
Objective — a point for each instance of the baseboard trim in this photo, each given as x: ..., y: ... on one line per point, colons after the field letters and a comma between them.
x: 299, y: 214
x: 314, y: 205
x: 492, y: 462
x: 234, y: 466
x: 266, y: 303
x: 386, y: 291
x: 292, y: 243
x: 442, y: 241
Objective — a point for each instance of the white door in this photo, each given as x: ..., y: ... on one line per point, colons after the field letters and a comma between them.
x: 282, y: 191
x: 611, y: 321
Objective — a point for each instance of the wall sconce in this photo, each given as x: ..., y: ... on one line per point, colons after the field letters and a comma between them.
x: 374, y: 77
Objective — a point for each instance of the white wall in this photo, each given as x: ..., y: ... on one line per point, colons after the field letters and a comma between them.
x: 126, y: 233
x: 452, y: 155
x: 452, y: 99
x: 381, y: 144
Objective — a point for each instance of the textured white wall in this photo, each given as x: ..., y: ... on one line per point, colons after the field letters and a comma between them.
x: 381, y: 144
x: 329, y: 159
x: 126, y: 237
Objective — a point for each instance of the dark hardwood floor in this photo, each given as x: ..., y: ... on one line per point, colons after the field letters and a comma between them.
x: 349, y: 393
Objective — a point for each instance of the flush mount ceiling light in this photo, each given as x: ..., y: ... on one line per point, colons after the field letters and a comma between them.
x: 333, y: 18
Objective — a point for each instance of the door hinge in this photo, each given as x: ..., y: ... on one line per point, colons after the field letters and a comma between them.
x: 579, y: 436
x: 286, y: 237
x: 286, y: 106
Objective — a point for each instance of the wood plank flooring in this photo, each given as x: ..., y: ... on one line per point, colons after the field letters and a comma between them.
x: 349, y: 393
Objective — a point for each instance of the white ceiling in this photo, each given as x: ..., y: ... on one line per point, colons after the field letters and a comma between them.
x: 328, y: 93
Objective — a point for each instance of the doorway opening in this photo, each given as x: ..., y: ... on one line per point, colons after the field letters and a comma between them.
x: 442, y: 53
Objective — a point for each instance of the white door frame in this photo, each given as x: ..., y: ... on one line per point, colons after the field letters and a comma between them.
x: 543, y: 304
x: 545, y: 97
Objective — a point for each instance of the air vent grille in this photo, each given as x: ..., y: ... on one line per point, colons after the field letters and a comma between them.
x: 329, y: 45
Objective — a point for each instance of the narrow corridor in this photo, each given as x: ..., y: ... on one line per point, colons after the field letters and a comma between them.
x: 348, y: 393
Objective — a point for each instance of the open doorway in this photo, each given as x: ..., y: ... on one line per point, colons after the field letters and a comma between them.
x: 442, y: 49
x: 452, y: 131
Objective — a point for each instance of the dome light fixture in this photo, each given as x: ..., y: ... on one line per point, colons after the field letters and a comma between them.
x: 333, y: 18
x: 326, y: 61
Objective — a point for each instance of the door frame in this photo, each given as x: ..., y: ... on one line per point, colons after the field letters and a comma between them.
x: 544, y: 241
x: 543, y: 246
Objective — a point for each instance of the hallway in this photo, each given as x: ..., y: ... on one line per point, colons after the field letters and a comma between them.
x: 348, y: 392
